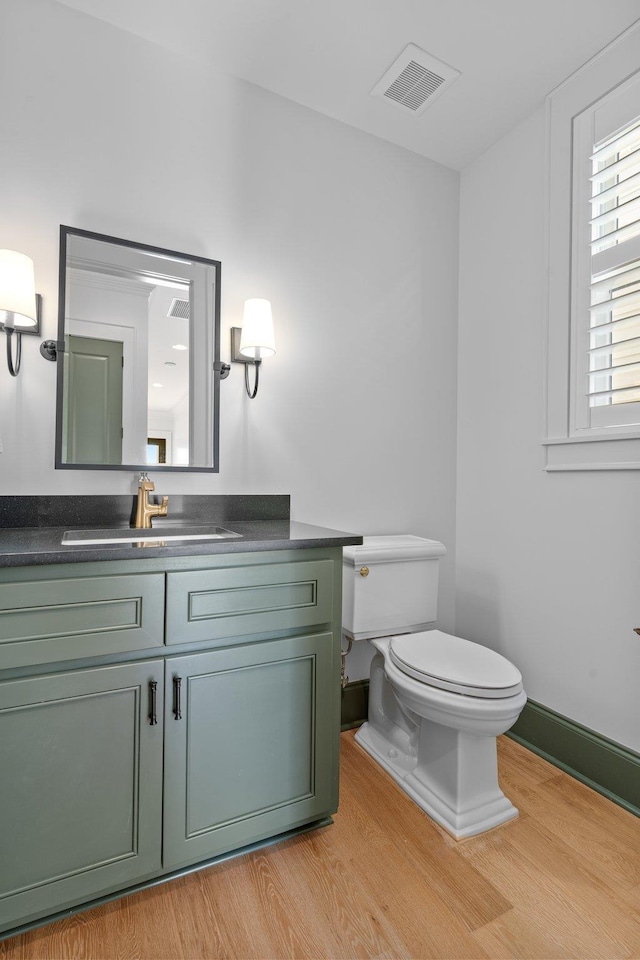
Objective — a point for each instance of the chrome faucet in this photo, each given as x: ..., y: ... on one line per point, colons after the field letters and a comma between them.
x: 145, y: 510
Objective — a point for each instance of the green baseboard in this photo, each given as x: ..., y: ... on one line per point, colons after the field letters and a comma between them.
x: 355, y: 704
x: 605, y: 766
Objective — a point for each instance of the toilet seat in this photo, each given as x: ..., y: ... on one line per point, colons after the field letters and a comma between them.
x: 451, y: 663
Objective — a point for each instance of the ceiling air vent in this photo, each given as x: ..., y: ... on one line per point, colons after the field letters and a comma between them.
x: 179, y: 308
x: 414, y: 80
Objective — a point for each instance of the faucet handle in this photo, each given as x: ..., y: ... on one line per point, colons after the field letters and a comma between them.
x: 144, y: 483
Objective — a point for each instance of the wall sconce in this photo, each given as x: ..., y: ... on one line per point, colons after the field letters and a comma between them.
x: 20, y: 306
x: 254, y: 341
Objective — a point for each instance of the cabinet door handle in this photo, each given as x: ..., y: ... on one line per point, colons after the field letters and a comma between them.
x: 153, y: 697
x: 177, y: 687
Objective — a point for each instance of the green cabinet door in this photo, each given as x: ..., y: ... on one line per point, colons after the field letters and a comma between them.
x: 249, y: 744
x: 80, y: 786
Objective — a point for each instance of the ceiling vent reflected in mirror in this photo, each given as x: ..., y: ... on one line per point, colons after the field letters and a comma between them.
x: 179, y: 308
x: 414, y: 80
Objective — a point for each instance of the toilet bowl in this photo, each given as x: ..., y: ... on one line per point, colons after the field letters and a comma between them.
x: 436, y: 702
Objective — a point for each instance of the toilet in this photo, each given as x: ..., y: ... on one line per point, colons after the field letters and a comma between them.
x: 436, y: 702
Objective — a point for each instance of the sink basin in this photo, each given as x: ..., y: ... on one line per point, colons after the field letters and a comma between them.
x: 161, y: 534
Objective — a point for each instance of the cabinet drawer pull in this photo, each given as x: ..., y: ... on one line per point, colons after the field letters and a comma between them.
x: 177, y: 687
x: 153, y: 713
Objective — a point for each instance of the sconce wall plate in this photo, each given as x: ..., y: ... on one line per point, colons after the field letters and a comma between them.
x: 236, y: 356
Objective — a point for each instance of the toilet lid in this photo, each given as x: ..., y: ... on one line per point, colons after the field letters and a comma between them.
x: 454, y: 664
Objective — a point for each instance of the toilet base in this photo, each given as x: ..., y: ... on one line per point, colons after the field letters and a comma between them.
x: 453, y: 777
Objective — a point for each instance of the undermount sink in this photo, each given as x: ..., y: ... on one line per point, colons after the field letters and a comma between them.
x: 160, y: 534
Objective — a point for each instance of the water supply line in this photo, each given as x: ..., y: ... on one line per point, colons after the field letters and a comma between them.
x: 344, y: 679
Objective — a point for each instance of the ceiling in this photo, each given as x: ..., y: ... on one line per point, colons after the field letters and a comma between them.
x: 329, y: 54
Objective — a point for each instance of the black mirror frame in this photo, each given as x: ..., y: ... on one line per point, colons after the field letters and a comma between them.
x: 57, y: 349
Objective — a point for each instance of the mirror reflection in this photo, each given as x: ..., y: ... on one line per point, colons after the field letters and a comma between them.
x: 136, y: 381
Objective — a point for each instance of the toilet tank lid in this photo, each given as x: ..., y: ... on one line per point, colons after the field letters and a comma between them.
x: 387, y: 549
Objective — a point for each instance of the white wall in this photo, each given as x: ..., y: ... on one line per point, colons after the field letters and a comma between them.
x: 354, y: 241
x: 548, y: 565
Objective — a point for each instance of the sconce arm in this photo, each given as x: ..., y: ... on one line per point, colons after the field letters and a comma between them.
x: 256, y: 364
x: 14, y: 369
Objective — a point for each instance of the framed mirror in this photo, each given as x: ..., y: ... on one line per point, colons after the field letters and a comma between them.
x: 138, y: 356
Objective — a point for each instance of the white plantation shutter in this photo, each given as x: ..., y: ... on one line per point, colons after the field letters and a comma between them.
x: 612, y: 362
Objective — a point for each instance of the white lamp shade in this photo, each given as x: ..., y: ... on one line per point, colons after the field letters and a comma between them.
x: 17, y: 290
x: 257, y: 340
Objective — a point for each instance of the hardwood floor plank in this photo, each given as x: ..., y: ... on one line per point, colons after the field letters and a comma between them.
x: 121, y: 929
x: 287, y: 924
x: 211, y: 915
x: 518, y: 936
x: 521, y: 771
x: 410, y: 896
x: 521, y: 765
x: 327, y: 885
x: 632, y: 898
x: 565, y: 901
x: 253, y: 912
x: 111, y: 931
x: 429, y: 849
x: 573, y: 815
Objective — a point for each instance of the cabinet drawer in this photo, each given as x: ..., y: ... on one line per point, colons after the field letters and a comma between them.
x: 44, y: 621
x: 233, y: 601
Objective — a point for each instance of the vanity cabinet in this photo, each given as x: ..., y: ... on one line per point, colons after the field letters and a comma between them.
x: 129, y: 753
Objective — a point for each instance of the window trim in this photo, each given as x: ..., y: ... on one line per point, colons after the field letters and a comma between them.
x: 581, y: 415
x: 566, y: 447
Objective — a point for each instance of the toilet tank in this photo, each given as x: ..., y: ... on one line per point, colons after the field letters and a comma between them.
x: 390, y: 585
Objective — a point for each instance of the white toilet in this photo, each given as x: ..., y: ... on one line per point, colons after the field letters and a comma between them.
x: 436, y: 702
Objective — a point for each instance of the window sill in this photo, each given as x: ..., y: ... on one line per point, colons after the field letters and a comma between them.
x: 613, y: 452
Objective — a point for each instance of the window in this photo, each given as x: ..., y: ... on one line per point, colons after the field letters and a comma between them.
x: 593, y: 333
x: 606, y: 288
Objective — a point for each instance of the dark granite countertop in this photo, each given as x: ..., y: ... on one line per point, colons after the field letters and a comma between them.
x: 32, y: 527
x: 25, y: 546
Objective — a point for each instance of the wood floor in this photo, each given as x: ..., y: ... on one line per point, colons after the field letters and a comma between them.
x: 561, y: 881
